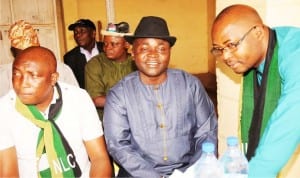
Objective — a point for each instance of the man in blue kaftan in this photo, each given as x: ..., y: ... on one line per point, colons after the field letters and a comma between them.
x: 156, y: 119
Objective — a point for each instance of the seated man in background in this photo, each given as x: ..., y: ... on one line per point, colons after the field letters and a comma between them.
x: 106, y: 69
x: 44, y: 130
x: 84, y: 31
x: 156, y: 119
x: 22, y: 35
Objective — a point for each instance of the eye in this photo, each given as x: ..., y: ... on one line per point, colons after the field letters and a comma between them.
x: 231, y: 46
x: 34, y: 76
x: 105, y: 44
x: 80, y: 31
x: 162, y: 49
x: 115, y: 44
x: 217, y: 49
x: 16, y: 74
x: 143, y: 48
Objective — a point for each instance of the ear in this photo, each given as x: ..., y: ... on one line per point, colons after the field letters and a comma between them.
x: 54, y: 78
x: 260, y: 32
x: 94, y: 33
x: 127, y: 45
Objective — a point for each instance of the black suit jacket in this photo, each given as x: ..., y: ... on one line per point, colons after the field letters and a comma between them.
x: 77, y: 61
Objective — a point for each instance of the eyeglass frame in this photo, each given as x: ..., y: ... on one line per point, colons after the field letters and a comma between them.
x: 231, y: 47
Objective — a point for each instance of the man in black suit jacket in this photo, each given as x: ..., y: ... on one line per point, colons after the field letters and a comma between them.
x: 85, y: 37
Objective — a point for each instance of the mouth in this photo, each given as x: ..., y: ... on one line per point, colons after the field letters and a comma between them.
x: 80, y: 41
x: 25, y: 95
x: 232, y: 65
x: 109, y: 53
x: 152, y: 64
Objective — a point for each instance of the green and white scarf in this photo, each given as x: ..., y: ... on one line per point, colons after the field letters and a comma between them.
x: 259, y: 102
x: 61, y: 158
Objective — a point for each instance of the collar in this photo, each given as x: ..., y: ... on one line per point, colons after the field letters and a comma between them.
x: 89, y: 55
x: 53, y: 101
x: 260, y: 68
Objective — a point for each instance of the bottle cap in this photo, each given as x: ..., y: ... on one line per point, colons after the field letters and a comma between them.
x: 208, y: 147
x: 232, y: 141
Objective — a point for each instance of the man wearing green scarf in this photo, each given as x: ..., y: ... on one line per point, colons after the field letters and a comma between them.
x: 47, y: 128
x: 269, y: 60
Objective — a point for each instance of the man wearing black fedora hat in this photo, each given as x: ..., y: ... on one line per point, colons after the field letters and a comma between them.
x: 156, y: 119
x: 84, y: 33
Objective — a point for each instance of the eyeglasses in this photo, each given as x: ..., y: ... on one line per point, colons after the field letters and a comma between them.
x: 231, y: 47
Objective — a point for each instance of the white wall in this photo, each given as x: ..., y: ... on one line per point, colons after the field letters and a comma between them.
x: 283, y: 12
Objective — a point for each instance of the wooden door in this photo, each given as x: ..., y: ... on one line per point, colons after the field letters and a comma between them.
x: 40, y: 13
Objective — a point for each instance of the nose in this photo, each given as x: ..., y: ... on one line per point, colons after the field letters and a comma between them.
x: 153, y: 53
x: 25, y: 81
x: 226, y: 55
x: 109, y: 46
x: 77, y: 34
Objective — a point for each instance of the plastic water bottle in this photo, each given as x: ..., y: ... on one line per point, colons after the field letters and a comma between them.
x: 234, y: 161
x: 207, y: 166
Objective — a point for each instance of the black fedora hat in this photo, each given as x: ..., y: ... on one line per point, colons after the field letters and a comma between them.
x: 152, y: 27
